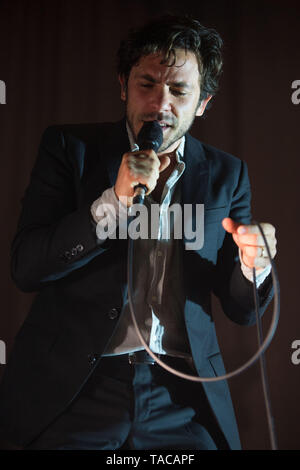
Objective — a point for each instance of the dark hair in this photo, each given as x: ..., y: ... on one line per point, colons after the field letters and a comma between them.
x: 166, y: 34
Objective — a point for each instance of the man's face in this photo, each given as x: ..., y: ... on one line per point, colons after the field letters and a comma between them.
x: 169, y: 95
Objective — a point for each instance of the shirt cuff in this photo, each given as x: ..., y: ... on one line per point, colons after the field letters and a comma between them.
x: 108, y: 212
x: 248, y: 272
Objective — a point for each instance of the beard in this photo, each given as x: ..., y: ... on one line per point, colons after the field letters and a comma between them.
x: 177, y: 131
x: 176, y: 134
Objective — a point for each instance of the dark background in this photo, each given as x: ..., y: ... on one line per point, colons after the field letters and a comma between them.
x: 57, y: 59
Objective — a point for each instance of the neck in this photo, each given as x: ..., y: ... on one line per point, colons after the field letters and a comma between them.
x: 171, y: 150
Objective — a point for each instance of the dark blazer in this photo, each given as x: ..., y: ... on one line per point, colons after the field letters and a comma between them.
x: 82, y: 285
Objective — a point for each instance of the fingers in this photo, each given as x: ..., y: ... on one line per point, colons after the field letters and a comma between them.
x: 230, y: 225
x: 258, y: 251
x: 235, y: 227
x: 144, y: 164
x: 254, y: 240
x: 139, y: 167
x: 267, y: 228
x: 255, y: 262
x: 164, y: 162
x: 250, y: 239
x: 144, y: 169
x: 251, y: 243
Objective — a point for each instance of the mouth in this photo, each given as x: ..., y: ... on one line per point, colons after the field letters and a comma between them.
x: 164, y: 125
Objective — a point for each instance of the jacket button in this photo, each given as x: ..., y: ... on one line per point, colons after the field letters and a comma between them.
x: 92, y: 358
x: 113, y: 313
x: 79, y: 248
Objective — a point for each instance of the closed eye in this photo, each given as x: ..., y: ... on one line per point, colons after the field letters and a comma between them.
x: 173, y: 91
x: 178, y: 93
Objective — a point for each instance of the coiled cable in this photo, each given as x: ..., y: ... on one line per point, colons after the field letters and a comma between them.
x: 262, y: 344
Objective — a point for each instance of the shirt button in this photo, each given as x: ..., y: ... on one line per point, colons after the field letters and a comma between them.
x: 113, y: 314
x: 154, y: 298
x: 159, y: 253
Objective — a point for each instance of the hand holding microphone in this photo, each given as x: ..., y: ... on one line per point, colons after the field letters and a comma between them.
x: 139, y: 171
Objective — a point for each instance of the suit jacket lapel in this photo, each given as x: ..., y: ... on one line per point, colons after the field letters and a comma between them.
x: 193, y: 193
x: 115, y: 145
x: 100, y: 149
x: 195, y: 177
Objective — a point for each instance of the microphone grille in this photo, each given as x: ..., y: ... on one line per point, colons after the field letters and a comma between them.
x: 150, y: 136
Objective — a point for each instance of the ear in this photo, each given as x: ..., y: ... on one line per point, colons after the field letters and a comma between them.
x: 203, y: 105
x: 123, y: 87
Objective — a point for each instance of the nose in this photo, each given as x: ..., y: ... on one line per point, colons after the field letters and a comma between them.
x: 161, y: 99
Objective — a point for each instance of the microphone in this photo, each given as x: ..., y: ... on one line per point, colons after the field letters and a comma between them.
x: 150, y: 137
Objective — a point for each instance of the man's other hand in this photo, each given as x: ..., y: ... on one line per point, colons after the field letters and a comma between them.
x: 250, y: 241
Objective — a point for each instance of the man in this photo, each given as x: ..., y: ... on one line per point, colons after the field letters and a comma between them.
x: 78, y: 376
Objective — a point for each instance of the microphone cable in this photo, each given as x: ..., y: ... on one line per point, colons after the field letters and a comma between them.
x: 262, y: 361
x: 262, y: 344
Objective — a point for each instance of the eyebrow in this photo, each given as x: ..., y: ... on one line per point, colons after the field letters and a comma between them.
x: 151, y: 79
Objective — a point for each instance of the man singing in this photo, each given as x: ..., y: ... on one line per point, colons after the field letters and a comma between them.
x: 78, y: 376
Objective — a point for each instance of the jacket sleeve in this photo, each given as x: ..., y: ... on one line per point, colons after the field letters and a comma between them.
x: 54, y: 235
x: 234, y: 291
